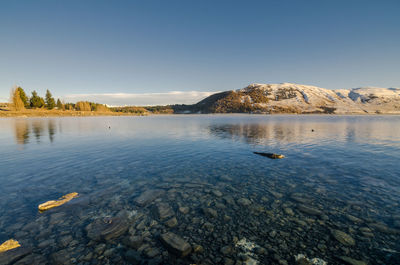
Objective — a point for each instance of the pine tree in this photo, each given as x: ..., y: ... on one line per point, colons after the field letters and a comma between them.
x: 60, y: 106
x: 50, y: 102
x: 23, y: 97
x: 36, y: 101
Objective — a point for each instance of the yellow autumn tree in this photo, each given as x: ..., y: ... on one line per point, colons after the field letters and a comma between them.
x: 102, y: 108
x: 83, y: 106
x: 16, y: 102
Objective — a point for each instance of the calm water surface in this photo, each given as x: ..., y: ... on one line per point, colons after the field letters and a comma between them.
x: 334, y: 197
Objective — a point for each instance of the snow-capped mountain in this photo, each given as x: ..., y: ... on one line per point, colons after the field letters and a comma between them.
x: 296, y: 98
x: 303, y: 98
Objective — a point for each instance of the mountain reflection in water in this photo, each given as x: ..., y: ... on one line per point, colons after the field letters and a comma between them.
x: 295, y: 131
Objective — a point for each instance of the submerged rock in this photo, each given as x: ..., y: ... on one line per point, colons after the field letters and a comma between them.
x: 107, y: 228
x: 384, y: 228
x: 13, y: 255
x: 61, y: 257
x: 184, y: 210
x: 172, y: 222
x: 55, y: 203
x: 210, y: 212
x: 247, y: 251
x: 217, y: 193
x: 228, y: 261
x: 133, y: 257
x: 46, y: 243
x: 308, y: 210
x: 226, y: 250
x: 176, y: 244
x: 301, y: 259
x: 148, y: 196
x: 198, y: 249
x: 31, y: 259
x: 64, y: 241
x: 163, y: 210
x: 152, y: 252
x: 353, y: 218
x: 276, y: 194
x: 250, y: 261
x: 298, y: 197
x: 133, y: 241
x: 351, y: 261
x: 244, y: 202
x: 57, y: 218
x: 343, y: 238
x: 288, y: 211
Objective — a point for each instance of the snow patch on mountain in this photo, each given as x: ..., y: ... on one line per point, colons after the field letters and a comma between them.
x: 305, y: 98
x: 367, y: 93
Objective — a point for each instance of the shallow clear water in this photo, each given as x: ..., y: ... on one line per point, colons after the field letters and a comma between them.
x: 340, y: 174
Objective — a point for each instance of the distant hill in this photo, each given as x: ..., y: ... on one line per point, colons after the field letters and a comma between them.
x: 295, y: 98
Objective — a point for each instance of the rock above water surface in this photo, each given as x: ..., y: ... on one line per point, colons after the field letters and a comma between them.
x: 176, y: 244
x: 343, y: 238
x: 8, y: 245
x: 55, y: 203
x: 270, y: 155
x: 148, y: 196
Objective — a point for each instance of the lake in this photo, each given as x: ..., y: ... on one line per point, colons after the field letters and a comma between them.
x: 188, y: 189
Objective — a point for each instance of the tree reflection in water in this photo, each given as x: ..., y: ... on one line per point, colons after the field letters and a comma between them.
x: 22, y: 130
x: 26, y: 129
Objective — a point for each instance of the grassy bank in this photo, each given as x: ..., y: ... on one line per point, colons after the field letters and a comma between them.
x: 61, y: 113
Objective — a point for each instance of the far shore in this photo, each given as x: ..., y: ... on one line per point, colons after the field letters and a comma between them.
x: 60, y: 113
x: 73, y: 113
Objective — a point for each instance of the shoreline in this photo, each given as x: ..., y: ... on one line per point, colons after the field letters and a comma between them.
x: 61, y: 113
x: 56, y: 113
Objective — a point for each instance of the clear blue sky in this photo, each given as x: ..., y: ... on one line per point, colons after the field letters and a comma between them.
x: 95, y: 47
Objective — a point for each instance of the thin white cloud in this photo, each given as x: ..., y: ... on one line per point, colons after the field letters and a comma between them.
x: 143, y: 99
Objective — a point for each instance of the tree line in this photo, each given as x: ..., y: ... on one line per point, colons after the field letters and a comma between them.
x: 21, y: 101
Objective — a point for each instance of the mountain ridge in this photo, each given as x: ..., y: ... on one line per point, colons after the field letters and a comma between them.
x: 298, y: 98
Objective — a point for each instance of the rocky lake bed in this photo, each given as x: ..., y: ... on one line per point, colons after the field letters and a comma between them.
x: 279, y: 212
